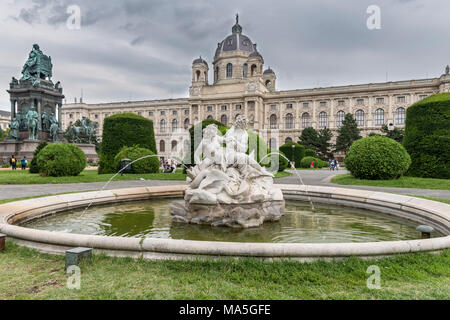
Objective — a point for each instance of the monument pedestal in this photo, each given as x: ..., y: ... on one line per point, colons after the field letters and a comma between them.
x: 89, y: 151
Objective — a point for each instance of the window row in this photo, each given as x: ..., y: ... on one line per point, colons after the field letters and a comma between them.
x: 163, y: 126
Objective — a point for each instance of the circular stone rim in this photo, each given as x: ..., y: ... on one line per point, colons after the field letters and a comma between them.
x: 422, y: 211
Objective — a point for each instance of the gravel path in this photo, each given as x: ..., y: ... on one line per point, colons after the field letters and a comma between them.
x: 311, y: 177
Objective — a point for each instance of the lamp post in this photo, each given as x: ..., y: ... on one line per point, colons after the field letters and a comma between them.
x: 293, y: 150
x: 391, y: 127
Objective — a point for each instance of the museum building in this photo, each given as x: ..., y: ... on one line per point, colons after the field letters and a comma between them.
x: 241, y: 85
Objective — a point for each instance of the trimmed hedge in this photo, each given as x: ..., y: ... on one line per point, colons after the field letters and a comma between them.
x: 427, y: 137
x: 61, y: 159
x: 377, y: 158
x: 33, y: 164
x: 318, y: 163
x: 147, y: 165
x: 282, y: 162
x: 310, y: 153
x: 299, y: 152
x: 124, y: 129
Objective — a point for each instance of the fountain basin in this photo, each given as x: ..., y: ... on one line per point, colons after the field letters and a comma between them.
x: 420, y: 211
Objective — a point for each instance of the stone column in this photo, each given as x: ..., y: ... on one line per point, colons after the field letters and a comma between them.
x: 58, y: 106
x: 13, y: 109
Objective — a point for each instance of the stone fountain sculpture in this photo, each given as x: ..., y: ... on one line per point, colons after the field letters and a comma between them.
x: 228, y: 187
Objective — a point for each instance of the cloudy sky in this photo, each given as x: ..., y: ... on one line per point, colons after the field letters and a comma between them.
x: 143, y: 49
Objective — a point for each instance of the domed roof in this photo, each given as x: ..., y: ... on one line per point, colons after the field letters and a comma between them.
x: 235, y: 41
x: 199, y: 60
x: 268, y: 71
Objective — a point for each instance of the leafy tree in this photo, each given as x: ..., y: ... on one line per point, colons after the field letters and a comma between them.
x: 396, y: 134
x: 347, y: 133
x: 324, y: 144
x: 309, y: 139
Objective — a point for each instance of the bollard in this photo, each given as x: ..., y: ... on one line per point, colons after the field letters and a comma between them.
x: 75, y: 255
x: 425, y: 230
x: 2, y: 241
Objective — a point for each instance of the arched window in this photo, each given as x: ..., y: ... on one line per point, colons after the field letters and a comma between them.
x: 186, y: 123
x: 224, y: 119
x: 209, y: 117
x: 399, y: 116
x: 273, y: 143
x: 197, y: 78
x: 268, y: 83
x: 162, y: 146
x: 323, y: 119
x: 360, y: 117
x: 340, y: 115
x: 379, y: 117
x: 174, y: 125
x: 306, y: 120
x: 174, y: 145
x: 229, y: 70
x: 273, y: 121
x: 288, y: 139
x: 289, y: 121
x: 253, y: 70
x: 163, y: 125
x: 245, y: 70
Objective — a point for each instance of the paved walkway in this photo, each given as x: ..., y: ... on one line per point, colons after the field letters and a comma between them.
x: 310, y: 177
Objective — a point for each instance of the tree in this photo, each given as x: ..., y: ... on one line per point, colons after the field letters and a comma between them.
x: 324, y: 144
x: 347, y: 133
x: 396, y: 134
x: 309, y: 139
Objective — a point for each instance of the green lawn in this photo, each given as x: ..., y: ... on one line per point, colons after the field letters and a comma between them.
x: 27, y: 274
x: 403, y: 182
x: 24, y: 177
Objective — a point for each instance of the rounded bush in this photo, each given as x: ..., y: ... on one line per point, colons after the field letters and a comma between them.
x: 318, y: 163
x: 147, y: 165
x: 299, y: 152
x: 33, y: 164
x: 310, y: 153
x: 61, y: 159
x: 377, y: 158
x: 124, y: 129
x: 427, y: 137
x: 282, y: 163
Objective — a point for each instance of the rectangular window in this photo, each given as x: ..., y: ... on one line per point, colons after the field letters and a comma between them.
x: 139, y: 113
x: 273, y: 107
x: 401, y: 99
x: 360, y: 102
x: 238, y: 107
x: 341, y: 102
x: 223, y: 108
x: 174, y: 112
x: 305, y: 104
x: 209, y: 108
x: 323, y: 103
x: 186, y: 111
x: 163, y: 113
x: 289, y: 106
x: 96, y: 116
x: 380, y: 100
x: 150, y: 113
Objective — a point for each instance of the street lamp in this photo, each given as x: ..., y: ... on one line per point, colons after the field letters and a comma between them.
x: 391, y: 127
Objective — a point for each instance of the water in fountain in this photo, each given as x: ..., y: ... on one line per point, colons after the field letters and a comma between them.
x: 295, y: 172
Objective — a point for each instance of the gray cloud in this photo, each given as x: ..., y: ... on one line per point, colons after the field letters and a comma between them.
x: 144, y: 48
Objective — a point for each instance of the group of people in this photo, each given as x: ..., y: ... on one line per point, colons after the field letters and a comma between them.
x: 333, y: 164
x: 170, y: 166
x: 23, y: 162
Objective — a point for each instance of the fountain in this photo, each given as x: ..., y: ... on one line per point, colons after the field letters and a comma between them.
x: 228, y: 187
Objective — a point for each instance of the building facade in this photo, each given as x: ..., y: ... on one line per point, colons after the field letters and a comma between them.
x: 241, y: 85
x: 5, y: 119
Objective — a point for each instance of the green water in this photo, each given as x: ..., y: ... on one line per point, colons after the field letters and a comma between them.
x: 152, y: 218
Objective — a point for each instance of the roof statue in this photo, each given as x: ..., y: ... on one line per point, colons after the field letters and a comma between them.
x: 447, y: 69
x: 38, y: 66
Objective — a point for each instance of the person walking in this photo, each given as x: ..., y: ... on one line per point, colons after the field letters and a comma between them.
x: 24, y: 162
x: 13, y: 162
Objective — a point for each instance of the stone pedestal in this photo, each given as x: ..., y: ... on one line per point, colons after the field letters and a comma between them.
x: 89, y: 151
x: 243, y: 215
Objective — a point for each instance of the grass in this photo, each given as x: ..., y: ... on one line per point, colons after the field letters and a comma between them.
x: 24, y: 177
x: 403, y: 182
x: 27, y: 274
